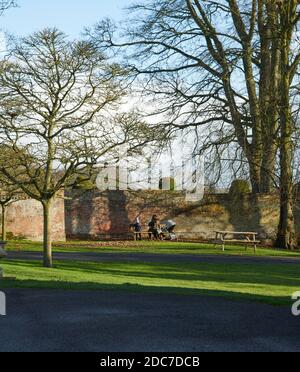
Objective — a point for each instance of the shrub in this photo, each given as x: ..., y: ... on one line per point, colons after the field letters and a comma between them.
x: 239, y: 187
x: 11, y: 236
x: 82, y: 183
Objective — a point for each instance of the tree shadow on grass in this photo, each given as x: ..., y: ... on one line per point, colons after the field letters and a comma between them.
x: 135, y: 288
x: 226, y: 273
x: 128, y: 274
x: 243, y: 274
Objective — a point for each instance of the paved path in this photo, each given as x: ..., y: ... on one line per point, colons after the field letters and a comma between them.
x: 158, y: 258
x: 44, y: 320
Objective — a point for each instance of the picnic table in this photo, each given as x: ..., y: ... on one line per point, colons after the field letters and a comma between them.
x: 238, y: 237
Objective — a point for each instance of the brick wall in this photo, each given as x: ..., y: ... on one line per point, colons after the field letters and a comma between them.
x: 25, y: 219
x: 96, y: 214
x: 108, y: 214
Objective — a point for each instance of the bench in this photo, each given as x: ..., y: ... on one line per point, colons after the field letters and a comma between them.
x: 149, y: 235
x: 136, y: 235
x: 246, y: 238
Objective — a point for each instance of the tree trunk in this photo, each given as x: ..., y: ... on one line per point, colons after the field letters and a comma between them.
x: 267, y: 180
x: 47, y: 208
x: 268, y: 28
x: 254, y: 176
x: 286, y: 237
x: 262, y: 168
x: 286, y: 231
x: 4, y: 209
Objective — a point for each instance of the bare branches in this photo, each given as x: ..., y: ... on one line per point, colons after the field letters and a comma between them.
x: 198, y: 57
x: 6, y: 4
x: 57, y: 104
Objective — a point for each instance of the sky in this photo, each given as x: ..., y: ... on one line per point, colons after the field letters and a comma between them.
x: 70, y: 16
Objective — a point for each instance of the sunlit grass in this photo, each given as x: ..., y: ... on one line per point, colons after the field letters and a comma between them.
x: 272, y: 284
x: 150, y: 247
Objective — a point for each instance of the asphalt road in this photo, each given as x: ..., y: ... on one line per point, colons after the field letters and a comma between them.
x: 158, y: 258
x: 44, y: 320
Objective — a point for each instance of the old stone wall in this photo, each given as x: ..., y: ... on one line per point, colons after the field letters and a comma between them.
x: 97, y: 214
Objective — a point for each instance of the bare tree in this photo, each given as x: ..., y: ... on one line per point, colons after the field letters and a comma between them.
x: 11, y: 192
x: 289, y: 14
x: 227, y: 67
x: 57, y: 116
x: 216, y: 65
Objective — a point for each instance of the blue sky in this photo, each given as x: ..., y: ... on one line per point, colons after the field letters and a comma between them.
x: 70, y: 16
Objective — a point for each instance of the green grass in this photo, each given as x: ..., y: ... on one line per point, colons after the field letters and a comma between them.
x: 268, y: 283
x: 273, y: 284
x: 150, y: 247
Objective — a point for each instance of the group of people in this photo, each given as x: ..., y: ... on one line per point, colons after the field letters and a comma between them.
x: 156, y: 229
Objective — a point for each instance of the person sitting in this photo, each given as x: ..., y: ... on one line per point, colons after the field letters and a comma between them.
x: 154, y: 227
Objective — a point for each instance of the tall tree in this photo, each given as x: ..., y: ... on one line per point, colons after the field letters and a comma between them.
x: 289, y: 14
x: 216, y: 64
x: 57, y: 115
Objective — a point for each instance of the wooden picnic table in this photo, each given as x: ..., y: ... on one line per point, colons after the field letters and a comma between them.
x: 239, y: 237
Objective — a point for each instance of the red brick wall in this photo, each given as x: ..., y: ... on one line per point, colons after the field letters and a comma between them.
x: 95, y: 214
x: 25, y: 219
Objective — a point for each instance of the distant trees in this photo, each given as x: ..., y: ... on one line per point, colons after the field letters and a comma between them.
x: 58, y: 102
x: 226, y: 71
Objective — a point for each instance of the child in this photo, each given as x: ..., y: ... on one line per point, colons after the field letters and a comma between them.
x: 138, y: 228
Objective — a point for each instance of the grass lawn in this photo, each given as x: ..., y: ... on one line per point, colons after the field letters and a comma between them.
x: 273, y: 284
x: 268, y: 283
x: 149, y: 247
